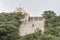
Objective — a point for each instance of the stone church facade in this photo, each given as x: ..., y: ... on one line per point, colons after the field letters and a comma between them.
x: 30, y: 24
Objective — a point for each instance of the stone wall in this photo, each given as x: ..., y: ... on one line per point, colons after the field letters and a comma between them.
x: 30, y: 27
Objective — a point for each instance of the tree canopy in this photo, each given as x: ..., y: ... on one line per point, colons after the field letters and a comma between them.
x: 9, y: 25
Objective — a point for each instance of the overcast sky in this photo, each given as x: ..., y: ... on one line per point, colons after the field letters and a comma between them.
x: 34, y: 7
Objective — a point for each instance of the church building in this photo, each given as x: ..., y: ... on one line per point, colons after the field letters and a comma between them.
x: 30, y: 24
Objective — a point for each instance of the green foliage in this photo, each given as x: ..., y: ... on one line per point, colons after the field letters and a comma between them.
x: 38, y: 36
x: 9, y: 25
x: 34, y: 36
x: 52, y: 23
x: 49, y: 14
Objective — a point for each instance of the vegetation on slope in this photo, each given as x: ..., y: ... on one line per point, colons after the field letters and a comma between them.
x: 9, y: 25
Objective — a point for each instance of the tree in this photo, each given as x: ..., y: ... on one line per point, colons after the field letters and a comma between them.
x: 52, y: 23
x: 49, y: 14
x: 9, y: 25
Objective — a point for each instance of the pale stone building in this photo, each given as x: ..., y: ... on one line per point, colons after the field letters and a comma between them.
x: 30, y: 24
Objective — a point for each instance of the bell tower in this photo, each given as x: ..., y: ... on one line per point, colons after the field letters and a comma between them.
x: 20, y: 9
